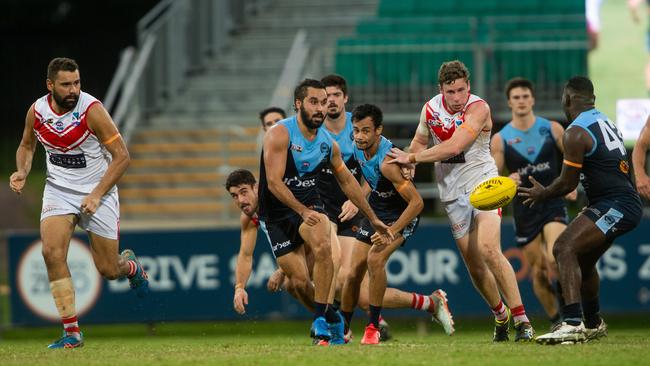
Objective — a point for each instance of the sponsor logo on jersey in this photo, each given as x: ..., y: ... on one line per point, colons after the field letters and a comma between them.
x: 387, y: 194
x: 295, y: 147
x: 516, y: 140
x: 534, y: 168
x: 324, y: 147
x: 282, y: 245
x: 299, y: 183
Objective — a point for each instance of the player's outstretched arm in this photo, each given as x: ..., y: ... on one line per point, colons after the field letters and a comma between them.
x: 353, y: 191
x: 244, y: 262
x: 476, y: 118
x: 639, y: 161
x: 407, y: 191
x: 276, y: 143
x: 577, y: 143
x: 24, y: 154
x: 102, y: 125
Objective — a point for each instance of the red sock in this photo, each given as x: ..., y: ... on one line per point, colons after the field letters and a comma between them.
x: 422, y: 302
x: 71, y: 326
x: 519, y: 314
x: 500, y: 311
x: 133, y: 268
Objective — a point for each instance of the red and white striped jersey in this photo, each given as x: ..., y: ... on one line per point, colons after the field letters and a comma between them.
x: 459, y: 174
x: 76, y: 159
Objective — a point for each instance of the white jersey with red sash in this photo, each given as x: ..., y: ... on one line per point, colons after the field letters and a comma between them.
x: 460, y: 174
x: 76, y: 160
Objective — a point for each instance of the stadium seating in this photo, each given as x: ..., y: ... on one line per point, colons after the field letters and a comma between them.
x: 402, y: 47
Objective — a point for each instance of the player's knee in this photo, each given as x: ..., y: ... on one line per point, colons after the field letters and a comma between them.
x: 561, y: 249
x: 53, y: 256
x: 376, y: 262
x: 321, y: 251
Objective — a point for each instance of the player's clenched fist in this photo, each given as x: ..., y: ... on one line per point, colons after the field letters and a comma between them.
x: 240, y: 301
x: 17, y: 181
x: 89, y: 204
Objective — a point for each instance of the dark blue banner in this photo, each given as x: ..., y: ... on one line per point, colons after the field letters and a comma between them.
x: 192, y: 274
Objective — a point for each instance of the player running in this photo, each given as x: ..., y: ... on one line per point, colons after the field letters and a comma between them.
x: 594, y: 154
x: 398, y: 204
x: 530, y: 145
x: 290, y: 209
x: 86, y: 156
x: 460, y: 125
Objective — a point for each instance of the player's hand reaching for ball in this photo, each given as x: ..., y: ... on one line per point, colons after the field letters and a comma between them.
x: 17, y: 181
x: 240, y: 301
x: 516, y: 177
x: 532, y: 194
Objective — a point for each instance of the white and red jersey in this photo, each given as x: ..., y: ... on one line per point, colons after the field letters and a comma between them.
x: 459, y: 174
x: 76, y: 159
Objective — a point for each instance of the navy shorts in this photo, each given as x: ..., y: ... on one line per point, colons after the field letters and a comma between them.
x: 615, y: 217
x: 528, y: 227
x: 366, y: 230
x: 347, y: 228
x: 283, y: 236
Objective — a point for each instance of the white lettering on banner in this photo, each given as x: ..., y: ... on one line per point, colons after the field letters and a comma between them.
x: 612, y: 266
x: 439, y: 266
x: 644, y: 270
x: 201, y: 270
x: 263, y: 268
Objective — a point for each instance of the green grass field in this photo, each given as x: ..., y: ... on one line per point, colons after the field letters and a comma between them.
x: 286, y: 343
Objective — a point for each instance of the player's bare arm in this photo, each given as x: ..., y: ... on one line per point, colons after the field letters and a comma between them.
x: 496, y: 150
x: 477, y: 118
x: 276, y: 142
x: 244, y: 262
x: 24, y: 154
x: 353, y: 191
x: 419, y: 143
x: 577, y: 143
x: 639, y: 161
x: 101, y: 124
x: 558, y: 131
x: 407, y: 191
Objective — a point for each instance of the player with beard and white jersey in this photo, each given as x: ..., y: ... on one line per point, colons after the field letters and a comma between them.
x: 459, y: 124
x: 86, y: 156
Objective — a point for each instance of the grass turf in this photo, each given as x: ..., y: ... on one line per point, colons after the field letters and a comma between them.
x: 287, y: 343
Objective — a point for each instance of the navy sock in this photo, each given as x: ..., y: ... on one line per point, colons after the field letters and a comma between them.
x: 348, y: 319
x: 331, y: 316
x: 572, y: 313
x: 375, y: 312
x: 319, y: 309
x: 591, y: 310
x: 336, y: 305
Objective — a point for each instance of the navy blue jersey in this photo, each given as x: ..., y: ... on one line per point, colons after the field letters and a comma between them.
x: 305, y: 160
x: 605, y: 170
x: 384, y: 198
x: 330, y: 192
x: 533, y: 152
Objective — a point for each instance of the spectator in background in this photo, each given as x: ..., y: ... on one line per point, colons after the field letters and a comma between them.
x: 270, y: 116
x: 633, y: 5
x: 592, y: 8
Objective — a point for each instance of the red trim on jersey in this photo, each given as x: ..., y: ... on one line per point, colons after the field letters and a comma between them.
x: 476, y: 101
x: 499, y: 212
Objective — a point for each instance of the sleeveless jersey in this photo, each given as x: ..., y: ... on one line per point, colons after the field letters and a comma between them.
x: 305, y: 161
x: 605, y: 170
x: 330, y: 192
x: 534, y: 153
x: 460, y: 174
x: 384, y: 198
x: 76, y: 159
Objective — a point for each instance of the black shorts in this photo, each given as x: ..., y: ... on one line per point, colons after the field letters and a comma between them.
x: 366, y: 230
x: 527, y: 228
x: 615, y: 217
x: 283, y: 236
x: 348, y: 228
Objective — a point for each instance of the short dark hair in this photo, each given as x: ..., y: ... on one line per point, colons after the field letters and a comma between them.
x: 268, y: 110
x: 452, y: 70
x: 300, y: 92
x: 60, y: 64
x: 336, y: 81
x: 580, y: 85
x: 519, y: 83
x: 368, y: 110
x: 239, y: 177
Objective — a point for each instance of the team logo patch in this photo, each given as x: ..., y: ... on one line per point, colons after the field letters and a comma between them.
x: 530, y: 150
x: 324, y: 148
x: 516, y: 140
x: 58, y: 125
x: 543, y: 130
x: 624, y: 166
